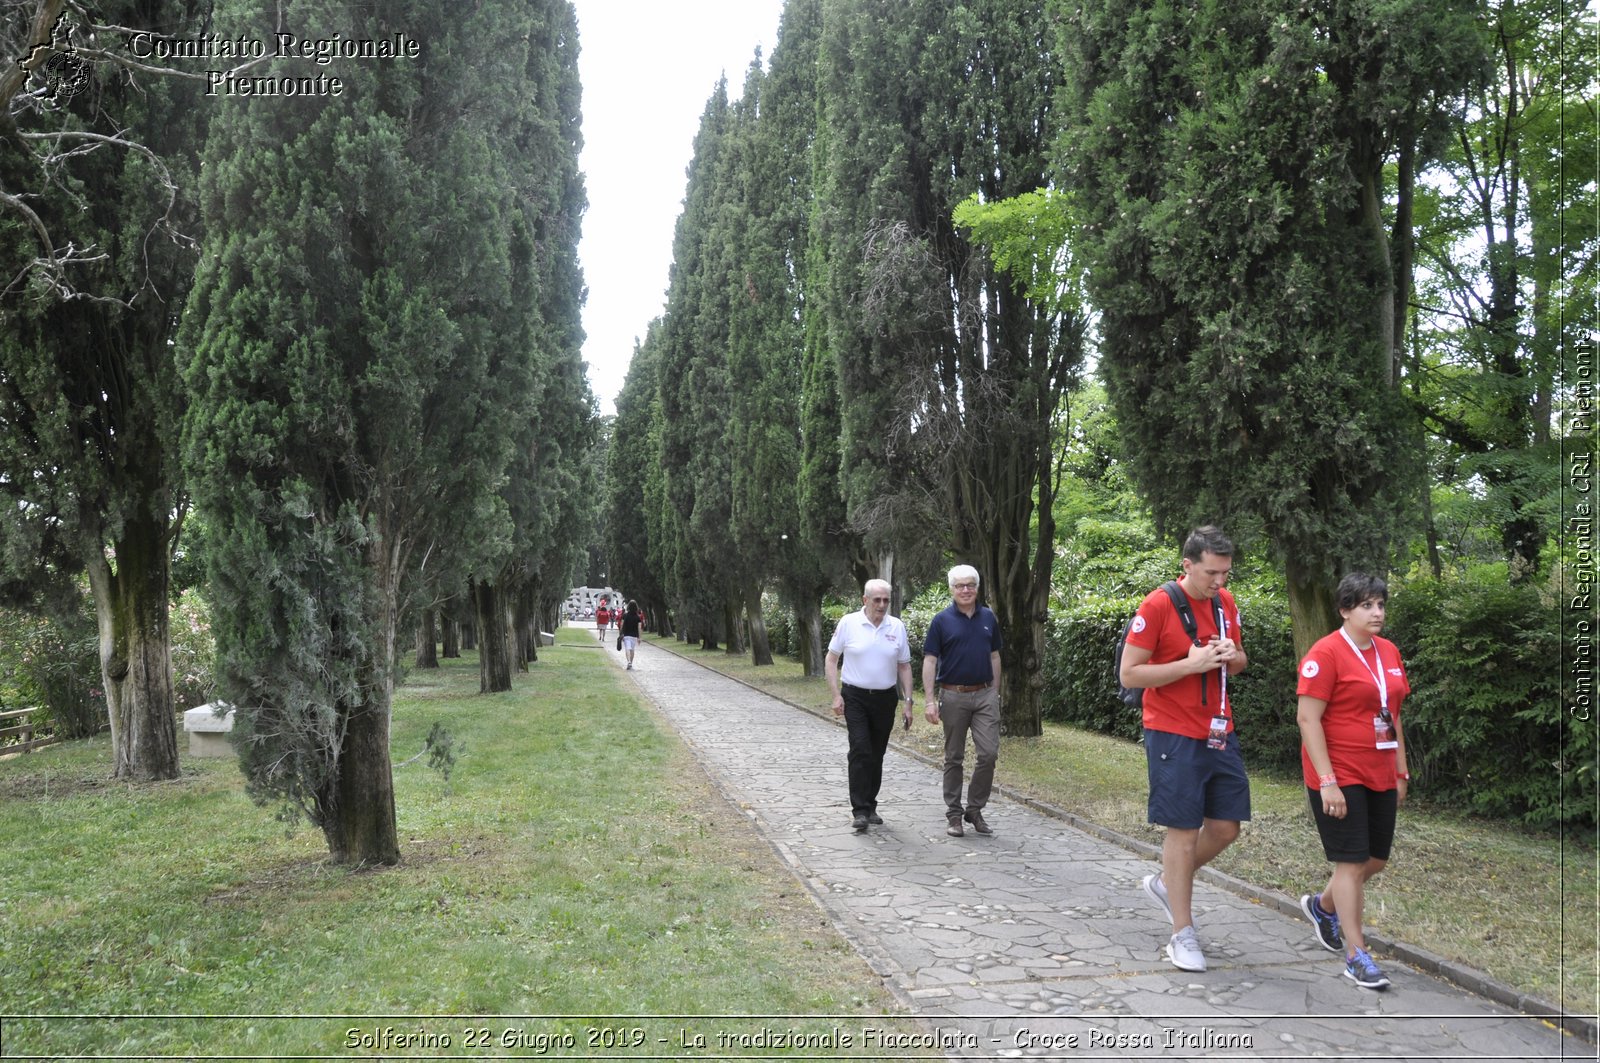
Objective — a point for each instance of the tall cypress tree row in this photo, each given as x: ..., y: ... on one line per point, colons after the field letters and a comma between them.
x: 1229, y: 160
x: 97, y: 255
x: 694, y: 389
x: 632, y: 464
x: 801, y: 526
x: 548, y: 483
x: 949, y: 377
x: 358, y: 359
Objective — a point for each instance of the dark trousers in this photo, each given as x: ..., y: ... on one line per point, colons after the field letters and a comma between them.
x: 869, y: 721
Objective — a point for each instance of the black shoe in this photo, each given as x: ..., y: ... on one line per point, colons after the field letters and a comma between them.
x: 859, y: 824
x: 975, y: 818
x: 954, y: 828
x: 874, y: 819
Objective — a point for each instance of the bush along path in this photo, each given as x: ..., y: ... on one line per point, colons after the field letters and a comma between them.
x: 1038, y: 939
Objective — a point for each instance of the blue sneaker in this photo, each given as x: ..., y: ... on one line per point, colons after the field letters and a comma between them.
x: 1326, y: 923
x: 1363, y: 972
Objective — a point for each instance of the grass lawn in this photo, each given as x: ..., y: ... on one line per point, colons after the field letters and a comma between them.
x: 576, y: 866
x: 1519, y: 906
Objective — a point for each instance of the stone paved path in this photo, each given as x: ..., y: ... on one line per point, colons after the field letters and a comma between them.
x: 1037, y: 942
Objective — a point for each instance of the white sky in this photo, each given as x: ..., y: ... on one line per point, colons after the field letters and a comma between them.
x: 648, y: 67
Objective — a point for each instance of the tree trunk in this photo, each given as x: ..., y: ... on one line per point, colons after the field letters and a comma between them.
x: 427, y: 640
x: 809, y: 616
x: 1312, y: 611
x: 523, y: 626
x: 528, y: 626
x: 494, y: 638
x: 135, y: 652
x: 760, y: 645
x: 360, y: 827
x: 732, y: 610
x: 451, y: 633
x: 358, y: 818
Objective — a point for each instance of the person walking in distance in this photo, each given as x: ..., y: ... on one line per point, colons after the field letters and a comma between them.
x: 629, y: 626
x: 961, y: 656
x: 1199, y: 790
x: 868, y: 669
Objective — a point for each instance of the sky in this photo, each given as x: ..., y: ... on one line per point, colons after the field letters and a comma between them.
x: 648, y: 67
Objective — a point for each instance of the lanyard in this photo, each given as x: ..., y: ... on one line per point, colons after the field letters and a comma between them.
x: 1378, y: 677
x: 1222, y: 629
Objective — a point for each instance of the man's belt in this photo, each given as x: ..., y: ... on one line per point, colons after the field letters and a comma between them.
x: 966, y: 688
x: 869, y: 690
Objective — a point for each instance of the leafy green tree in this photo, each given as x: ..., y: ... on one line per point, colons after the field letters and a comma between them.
x: 357, y: 361
x: 1230, y: 163
x: 1502, y: 265
x: 96, y: 253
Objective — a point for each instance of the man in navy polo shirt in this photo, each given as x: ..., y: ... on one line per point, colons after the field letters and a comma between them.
x: 961, y: 653
x: 876, y: 675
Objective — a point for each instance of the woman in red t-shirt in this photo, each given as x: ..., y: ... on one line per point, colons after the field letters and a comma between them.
x: 1353, y: 755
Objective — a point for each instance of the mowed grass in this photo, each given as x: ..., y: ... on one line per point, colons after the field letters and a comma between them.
x: 575, y: 864
x: 1519, y: 906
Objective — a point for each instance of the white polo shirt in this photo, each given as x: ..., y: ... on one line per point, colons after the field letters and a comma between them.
x: 870, y: 656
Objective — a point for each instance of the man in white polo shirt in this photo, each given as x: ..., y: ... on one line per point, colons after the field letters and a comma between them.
x: 876, y: 676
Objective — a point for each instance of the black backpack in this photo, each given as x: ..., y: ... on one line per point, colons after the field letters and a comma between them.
x: 1134, y: 696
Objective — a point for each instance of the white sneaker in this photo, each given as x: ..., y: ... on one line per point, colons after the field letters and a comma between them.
x: 1157, y: 891
x: 1184, y: 951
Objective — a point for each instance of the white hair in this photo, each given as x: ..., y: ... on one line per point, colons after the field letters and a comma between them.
x: 876, y: 584
x: 964, y: 572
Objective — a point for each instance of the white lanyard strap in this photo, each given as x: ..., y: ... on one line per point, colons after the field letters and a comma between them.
x: 1222, y: 629
x: 1378, y: 677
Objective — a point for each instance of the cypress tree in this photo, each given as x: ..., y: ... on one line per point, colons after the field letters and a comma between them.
x: 1230, y: 161
x: 97, y: 255
x: 358, y: 360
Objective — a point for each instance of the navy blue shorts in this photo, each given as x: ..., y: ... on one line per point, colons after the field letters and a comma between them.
x: 1367, y: 830
x: 1190, y: 782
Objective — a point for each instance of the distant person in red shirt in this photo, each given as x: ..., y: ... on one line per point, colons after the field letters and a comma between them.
x: 1353, y: 756
x: 602, y: 620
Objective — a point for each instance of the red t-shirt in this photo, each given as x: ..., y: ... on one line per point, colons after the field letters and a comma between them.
x: 602, y: 616
x: 1332, y: 673
x: 1176, y: 708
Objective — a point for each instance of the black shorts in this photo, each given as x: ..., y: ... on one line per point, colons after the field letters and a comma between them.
x: 1367, y: 830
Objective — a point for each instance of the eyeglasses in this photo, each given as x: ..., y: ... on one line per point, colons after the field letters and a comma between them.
x: 964, y: 586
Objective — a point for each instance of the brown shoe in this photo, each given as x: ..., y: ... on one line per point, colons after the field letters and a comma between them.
x: 975, y: 818
x: 954, y: 829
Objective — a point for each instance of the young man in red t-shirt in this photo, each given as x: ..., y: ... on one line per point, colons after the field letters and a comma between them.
x: 1198, y: 787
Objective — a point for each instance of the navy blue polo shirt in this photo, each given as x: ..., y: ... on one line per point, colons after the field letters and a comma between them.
x: 963, y: 645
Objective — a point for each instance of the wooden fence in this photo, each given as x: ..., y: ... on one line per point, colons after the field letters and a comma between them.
x: 18, y: 724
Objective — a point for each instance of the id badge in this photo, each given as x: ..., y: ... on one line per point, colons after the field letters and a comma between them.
x: 1218, y: 738
x: 1384, y: 730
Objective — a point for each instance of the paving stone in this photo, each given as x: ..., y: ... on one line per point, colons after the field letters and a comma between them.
x: 1037, y: 942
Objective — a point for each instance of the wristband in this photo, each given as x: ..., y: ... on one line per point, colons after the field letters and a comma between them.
x: 1406, y: 775
x: 1328, y: 780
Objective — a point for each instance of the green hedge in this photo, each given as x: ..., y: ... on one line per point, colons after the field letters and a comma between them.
x: 1485, y: 728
